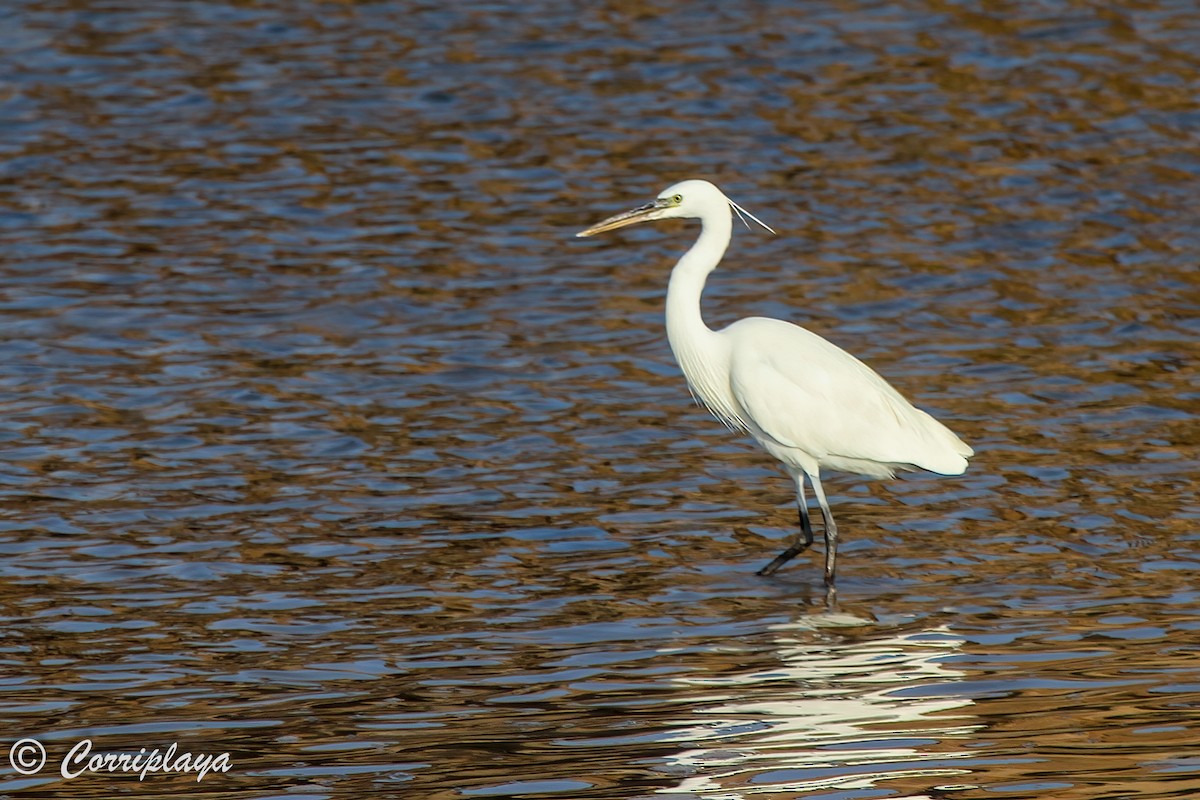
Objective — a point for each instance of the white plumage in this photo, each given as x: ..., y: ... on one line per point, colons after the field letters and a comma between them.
x: 804, y: 400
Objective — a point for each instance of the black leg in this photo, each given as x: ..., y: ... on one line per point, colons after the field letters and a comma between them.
x: 799, y: 546
x: 831, y: 534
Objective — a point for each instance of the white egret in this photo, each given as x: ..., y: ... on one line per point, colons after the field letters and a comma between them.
x: 804, y: 400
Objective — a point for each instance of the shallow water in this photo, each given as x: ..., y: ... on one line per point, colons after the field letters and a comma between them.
x: 326, y: 445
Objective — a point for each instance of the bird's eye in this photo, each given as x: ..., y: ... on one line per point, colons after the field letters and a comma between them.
x: 677, y: 199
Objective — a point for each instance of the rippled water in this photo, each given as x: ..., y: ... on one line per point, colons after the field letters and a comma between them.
x: 324, y: 444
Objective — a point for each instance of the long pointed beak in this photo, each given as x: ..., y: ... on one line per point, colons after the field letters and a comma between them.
x: 644, y: 213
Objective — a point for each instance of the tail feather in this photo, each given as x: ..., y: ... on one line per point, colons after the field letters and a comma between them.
x: 946, y: 453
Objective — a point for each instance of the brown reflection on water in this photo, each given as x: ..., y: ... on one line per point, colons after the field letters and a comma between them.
x: 325, y: 444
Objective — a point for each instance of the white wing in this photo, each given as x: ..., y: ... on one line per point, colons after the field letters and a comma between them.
x: 810, y: 395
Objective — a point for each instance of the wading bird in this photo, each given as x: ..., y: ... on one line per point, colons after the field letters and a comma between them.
x: 804, y: 400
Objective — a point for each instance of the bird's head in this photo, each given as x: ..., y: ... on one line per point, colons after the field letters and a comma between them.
x: 687, y: 199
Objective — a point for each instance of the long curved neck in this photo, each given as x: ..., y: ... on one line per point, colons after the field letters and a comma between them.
x: 685, y: 325
x: 700, y: 351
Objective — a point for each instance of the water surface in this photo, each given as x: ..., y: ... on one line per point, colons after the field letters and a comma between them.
x: 325, y: 444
